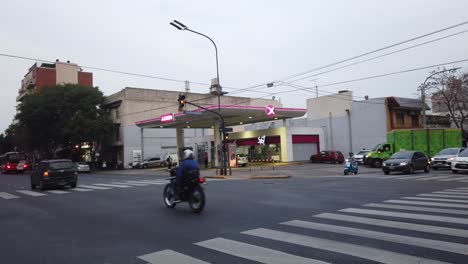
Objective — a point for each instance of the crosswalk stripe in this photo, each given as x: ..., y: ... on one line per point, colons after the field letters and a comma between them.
x: 31, y: 193
x: 81, y: 190
x: 255, y: 253
x: 391, y: 177
x: 57, y: 192
x: 146, y: 182
x: 396, y: 224
x: 170, y: 257
x: 434, y: 199
x: 455, y: 179
x: 155, y: 181
x: 411, y: 177
x: 407, y: 240
x: 456, y: 190
x: 418, y: 208
x: 433, y: 178
x: 7, y: 196
x: 378, y: 255
x: 462, y: 188
x: 132, y: 184
x: 95, y: 187
x: 452, y: 193
x: 112, y: 185
x: 463, y: 181
x: 428, y: 203
x: 444, y: 195
x: 445, y: 219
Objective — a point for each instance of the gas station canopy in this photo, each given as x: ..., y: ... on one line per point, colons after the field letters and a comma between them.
x: 234, y: 115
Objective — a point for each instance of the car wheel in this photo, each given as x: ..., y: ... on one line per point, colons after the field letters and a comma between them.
x: 427, y: 169
x: 377, y: 163
x: 386, y: 172
x: 73, y: 185
x: 42, y: 186
x: 411, y: 169
x: 145, y: 166
x: 454, y: 171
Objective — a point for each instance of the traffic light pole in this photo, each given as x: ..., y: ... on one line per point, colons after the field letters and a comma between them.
x: 223, y: 133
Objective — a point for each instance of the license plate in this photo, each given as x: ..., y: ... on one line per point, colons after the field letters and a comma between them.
x: 439, y: 162
x: 391, y: 167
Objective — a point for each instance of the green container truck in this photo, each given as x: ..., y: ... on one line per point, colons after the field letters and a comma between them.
x: 429, y: 141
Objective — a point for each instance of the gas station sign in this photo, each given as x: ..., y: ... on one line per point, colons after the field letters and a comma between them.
x: 270, y: 110
x: 167, y: 118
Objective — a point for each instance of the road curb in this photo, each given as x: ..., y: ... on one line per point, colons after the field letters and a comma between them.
x: 269, y: 177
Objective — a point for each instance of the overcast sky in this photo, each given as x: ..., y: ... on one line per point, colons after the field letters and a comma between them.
x: 258, y: 42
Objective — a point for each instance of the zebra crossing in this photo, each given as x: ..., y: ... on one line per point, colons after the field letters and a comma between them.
x: 423, y: 227
x: 425, y: 177
x: 89, y: 187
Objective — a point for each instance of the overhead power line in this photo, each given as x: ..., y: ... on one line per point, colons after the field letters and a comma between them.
x: 373, y: 51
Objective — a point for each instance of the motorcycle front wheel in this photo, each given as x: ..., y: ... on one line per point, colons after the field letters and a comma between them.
x: 197, y: 199
x: 168, y: 196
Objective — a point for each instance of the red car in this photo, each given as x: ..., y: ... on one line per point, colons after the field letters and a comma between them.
x: 331, y: 156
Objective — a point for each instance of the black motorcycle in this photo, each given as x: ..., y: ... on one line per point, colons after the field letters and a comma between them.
x: 192, y: 192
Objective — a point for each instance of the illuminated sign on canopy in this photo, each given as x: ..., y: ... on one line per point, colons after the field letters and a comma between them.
x: 167, y: 118
x: 270, y: 110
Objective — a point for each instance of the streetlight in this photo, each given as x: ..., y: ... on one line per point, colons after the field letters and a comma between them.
x: 423, y: 92
x: 181, y: 26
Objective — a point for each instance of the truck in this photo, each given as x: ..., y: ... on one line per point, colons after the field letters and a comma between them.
x: 429, y: 141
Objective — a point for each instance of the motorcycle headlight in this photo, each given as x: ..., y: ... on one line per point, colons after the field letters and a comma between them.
x: 403, y: 163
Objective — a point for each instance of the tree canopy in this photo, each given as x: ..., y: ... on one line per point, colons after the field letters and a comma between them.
x: 61, y: 117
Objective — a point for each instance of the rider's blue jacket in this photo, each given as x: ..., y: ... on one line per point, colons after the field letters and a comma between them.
x: 186, y: 166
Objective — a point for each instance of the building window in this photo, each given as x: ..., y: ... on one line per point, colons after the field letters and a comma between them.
x: 400, y: 118
x: 117, y: 114
x: 415, y: 120
x: 117, y: 132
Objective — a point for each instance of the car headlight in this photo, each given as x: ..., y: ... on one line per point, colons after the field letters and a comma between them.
x: 452, y: 158
x: 432, y: 159
x: 403, y: 163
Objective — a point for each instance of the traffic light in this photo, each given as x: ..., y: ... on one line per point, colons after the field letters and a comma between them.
x: 226, y: 136
x: 181, y: 101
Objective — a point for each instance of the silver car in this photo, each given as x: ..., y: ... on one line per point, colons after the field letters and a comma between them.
x: 82, y: 167
x: 443, y: 159
x: 359, y: 157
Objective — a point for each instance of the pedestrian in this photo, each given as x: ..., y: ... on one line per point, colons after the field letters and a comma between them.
x: 169, y: 162
x: 205, y: 158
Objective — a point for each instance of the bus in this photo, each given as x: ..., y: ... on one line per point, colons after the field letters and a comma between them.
x: 13, y: 162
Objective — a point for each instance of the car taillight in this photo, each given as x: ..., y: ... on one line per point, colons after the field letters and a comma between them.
x: 46, y: 174
x: 202, y: 180
x: 25, y: 166
x: 8, y: 166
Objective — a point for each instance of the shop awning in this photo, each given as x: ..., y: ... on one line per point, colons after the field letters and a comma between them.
x: 234, y: 115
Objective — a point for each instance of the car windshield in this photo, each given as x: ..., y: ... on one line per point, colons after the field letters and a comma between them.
x: 376, y: 147
x: 402, y: 155
x: 464, y: 153
x: 60, y: 165
x: 362, y: 152
x: 449, y: 151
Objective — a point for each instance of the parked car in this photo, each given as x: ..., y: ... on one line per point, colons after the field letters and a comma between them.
x: 443, y: 159
x: 152, y: 162
x: 359, y: 157
x: 328, y: 156
x: 460, y: 163
x: 51, y: 173
x: 407, y: 161
x: 242, y: 160
x: 82, y: 167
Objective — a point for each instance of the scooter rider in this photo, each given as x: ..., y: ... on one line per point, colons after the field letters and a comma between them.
x: 188, y: 167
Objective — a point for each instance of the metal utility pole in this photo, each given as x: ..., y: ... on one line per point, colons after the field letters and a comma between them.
x: 423, y: 93
x: 181, y: 26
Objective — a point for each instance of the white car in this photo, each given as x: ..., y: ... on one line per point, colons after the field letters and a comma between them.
x: 461, y: 162
x: 82, y: 167
x: 242, y: 160
x: 359, y: 157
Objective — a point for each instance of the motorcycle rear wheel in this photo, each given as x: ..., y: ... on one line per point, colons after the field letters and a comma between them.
x: 168, y: 196
x: 197, y: 200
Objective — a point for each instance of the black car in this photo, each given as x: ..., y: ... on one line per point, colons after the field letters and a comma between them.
x: 407, y: 161
x: 52, y: 173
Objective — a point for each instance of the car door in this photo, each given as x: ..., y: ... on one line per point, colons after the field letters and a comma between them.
x: 419, y: 160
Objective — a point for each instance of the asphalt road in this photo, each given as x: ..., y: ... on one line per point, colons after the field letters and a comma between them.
x: 310, y: 218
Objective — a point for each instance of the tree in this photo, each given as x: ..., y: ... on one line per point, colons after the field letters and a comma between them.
x: 61, y: 117
x: 450, y: 96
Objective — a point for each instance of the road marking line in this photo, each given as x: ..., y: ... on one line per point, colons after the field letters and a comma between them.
x: 128, y: 183
x: 428, y: 203
x: 95, y: 187
x: 463, y: 181
x: 57, y: 192
x: 433, y: 178
x: 411, y: 177
x: 436, y: 218
x: 378, y: 255
x: 112, y: 185
x: 31, y: 193
x: 455, y: 179
x: 147, y: 182
x: 452, y: 193
x: 434, y: 199
x: 456, y: 190
x: 7, y: 196
x: 462, y: 188
x: 170, y: 257
x: 391, y: 177
x: 396, y: 224
x: 418, y: 208
x: 407, y: 240
x: 80, y: 190
x: 444, y: 195
x: 255, y: 253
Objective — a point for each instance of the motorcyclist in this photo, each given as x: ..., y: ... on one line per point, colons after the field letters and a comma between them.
x: 187, y: 168
x: 352, y: 160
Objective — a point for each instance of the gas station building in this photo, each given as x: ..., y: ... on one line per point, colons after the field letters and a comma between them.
x: 149, y: 123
